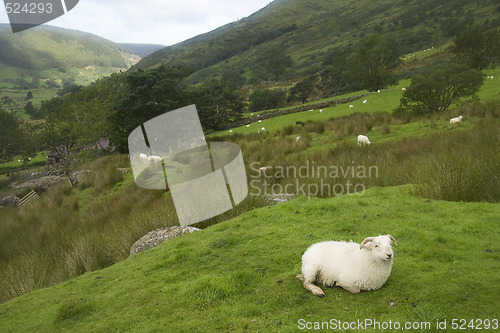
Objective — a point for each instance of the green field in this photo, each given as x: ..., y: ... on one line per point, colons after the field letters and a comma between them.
x: 239, y: 275
x: 44, y: 91
x: 385, y: 101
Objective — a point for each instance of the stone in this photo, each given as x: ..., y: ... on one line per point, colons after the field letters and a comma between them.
x: 76, y: 177
x: 155, y: 237
x: 43, y: 184
x: 10, y: 201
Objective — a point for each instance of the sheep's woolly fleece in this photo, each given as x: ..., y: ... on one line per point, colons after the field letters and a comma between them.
x: 349, y: 265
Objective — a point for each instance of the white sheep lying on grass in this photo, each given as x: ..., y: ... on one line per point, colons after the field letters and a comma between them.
x: 456, y: 120
x: 363, y: 139
x: 351, y: 266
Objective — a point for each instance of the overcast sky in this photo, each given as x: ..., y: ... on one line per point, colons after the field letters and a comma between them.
x: 163, y: 22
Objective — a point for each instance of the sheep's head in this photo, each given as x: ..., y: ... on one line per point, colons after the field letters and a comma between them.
x: 380, y: 246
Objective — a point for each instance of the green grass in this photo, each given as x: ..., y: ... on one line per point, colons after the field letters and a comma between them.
x: 239, y: 275
x: 80, y: 76
x: 385, y: 101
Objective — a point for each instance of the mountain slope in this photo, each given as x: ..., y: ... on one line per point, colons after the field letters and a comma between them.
x: 47, y: 47
x: 45, y: 60
x: 310, y: 31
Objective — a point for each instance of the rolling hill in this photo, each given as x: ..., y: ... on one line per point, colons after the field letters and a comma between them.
x: 48, y: 47
x: 311, y: 32
x: 46, y: 59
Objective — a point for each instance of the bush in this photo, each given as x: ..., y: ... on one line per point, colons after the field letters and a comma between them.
x: 434, y: 90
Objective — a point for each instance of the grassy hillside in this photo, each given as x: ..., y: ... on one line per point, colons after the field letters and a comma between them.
x: 309, y: 32
x: 239, y: 275
x: 46, y: 59
x: 385, y: 101
x: 47, y: 47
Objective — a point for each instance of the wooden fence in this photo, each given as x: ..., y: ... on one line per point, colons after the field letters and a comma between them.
x: 27, y: 198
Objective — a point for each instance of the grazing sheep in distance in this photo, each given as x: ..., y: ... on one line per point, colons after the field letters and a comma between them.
x: 403, y: 89
x: 363, y: 139
x: 351, y: 106
x: 321, y: 111
x: 456, y: 120
x: 298, y: 138
x: 365, y: 101
x: 351, y: 266
x: 154, y: 159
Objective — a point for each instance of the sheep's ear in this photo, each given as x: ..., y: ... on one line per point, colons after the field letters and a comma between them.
x: 393, y: 239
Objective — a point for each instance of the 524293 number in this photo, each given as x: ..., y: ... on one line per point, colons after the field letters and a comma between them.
x: 474, y: 324
x: 28, y: 8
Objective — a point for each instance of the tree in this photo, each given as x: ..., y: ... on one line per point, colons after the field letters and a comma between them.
x: 266, y: 99
x: 11, y: 138
x: 33, y: 112
x: 477, y: 47
x: 371, y: 62
x: 80, y: 119
x: 278, y: 62
x: 435, y: 89
x: 217, y: 105
x: 147, y: 94
x: 302, y: 90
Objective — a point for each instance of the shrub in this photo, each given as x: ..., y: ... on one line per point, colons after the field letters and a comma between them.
x: 435, y: 89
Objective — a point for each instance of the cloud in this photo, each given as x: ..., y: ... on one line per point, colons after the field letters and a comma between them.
x: 153, y: 21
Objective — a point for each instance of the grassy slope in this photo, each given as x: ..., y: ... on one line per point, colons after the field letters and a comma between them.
x: 57, y: 55
x: 240, y: 274
x: 386, y: 101
x: 244, y: 46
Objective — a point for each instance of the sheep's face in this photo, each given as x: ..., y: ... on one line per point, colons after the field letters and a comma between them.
x: 379, y: 246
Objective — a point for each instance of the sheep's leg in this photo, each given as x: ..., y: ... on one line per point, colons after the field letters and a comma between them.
x: 351, y: 289
x: 311, y: 287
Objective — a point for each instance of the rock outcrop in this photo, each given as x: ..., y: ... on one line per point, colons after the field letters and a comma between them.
x: 155, y: 237
x: 10, y: 201
x: 43, y: 184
